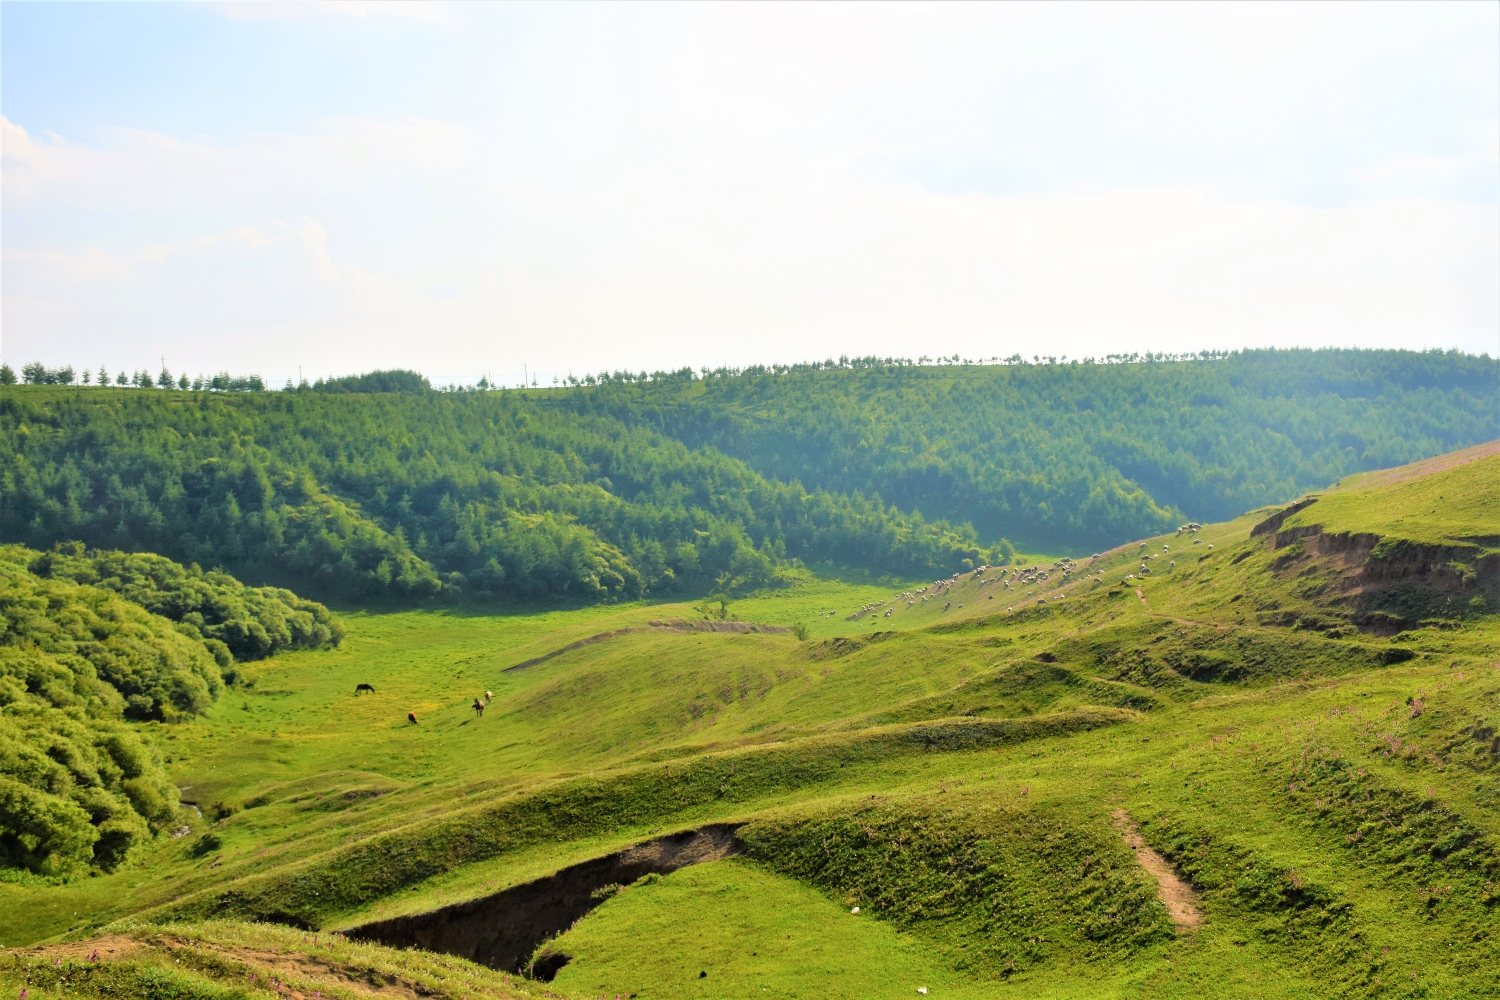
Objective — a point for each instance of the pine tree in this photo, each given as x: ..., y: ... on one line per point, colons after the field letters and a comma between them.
x: 7, y: 375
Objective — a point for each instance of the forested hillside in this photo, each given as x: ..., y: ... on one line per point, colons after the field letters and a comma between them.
x: 632, y: 484
x: 410, y: 494
x: 1076, y: 456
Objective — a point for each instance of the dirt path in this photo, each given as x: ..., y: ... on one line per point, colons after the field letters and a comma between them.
x: 665, y: 625
x: 1171, y: 888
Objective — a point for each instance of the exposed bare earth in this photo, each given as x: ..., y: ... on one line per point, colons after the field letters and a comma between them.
x: 503, y: 930
x: 1171, y: 888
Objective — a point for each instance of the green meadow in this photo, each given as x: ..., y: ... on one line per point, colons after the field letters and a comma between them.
x: 935, y: 783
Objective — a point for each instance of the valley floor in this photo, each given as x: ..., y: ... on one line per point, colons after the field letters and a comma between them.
x: 1231, y: 761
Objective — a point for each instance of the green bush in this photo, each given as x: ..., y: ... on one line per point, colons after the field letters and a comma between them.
x: 78, y: 653
x: 76, y: 791
x: 75, y: 646
x: 251, y: 622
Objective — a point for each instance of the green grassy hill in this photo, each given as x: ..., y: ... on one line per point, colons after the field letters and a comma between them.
x: 1255, y: 758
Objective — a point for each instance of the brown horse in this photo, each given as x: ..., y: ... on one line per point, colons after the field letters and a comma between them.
x: 489, y: 696
x: 411, y: 717
x: 479, y: 708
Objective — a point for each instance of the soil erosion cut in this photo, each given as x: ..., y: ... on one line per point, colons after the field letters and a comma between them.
x: 502, y: 930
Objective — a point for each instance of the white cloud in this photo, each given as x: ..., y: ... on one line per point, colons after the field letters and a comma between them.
x: 139, y: 170
x: 651, y: 186
x: 1170, y: 268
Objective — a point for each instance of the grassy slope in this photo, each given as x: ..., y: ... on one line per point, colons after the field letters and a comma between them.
x: 222, y: 960
x: 1267, y: 746
x: 1440, y: 505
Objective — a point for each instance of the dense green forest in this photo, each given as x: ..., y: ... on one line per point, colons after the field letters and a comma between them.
x: 376, y: 485
x: 409, y: 494
x: 1075, y: 456
x: 89, y: 639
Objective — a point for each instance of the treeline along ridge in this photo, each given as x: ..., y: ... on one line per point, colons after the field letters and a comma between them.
x: 378, y: 486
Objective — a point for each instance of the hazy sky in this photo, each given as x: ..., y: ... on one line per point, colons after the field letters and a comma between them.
x: 466, y: 189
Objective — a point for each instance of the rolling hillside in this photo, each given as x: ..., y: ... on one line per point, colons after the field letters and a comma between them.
x: 1254, y: 758
x: 1073, y: 456
x: 378, y: 489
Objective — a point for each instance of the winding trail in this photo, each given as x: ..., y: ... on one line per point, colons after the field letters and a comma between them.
x: 1171, y: 888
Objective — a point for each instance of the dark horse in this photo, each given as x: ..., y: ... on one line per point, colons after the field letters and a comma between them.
x: 478, y: 708
x: 411, y: 717
x: 364, y: 687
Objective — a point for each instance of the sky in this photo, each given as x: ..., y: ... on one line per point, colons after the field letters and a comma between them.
x: 480, y: 189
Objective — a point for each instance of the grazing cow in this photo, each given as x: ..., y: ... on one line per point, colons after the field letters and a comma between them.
x: 411, y: 717
x: 359, y: 688
x: 479, y: 708
x: 489, y: 696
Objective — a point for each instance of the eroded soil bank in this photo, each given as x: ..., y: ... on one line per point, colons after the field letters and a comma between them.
x: 502, y: 930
